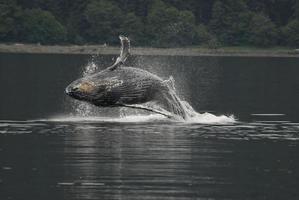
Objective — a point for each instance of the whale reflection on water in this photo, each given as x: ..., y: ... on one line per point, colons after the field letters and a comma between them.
x: 166, y: 160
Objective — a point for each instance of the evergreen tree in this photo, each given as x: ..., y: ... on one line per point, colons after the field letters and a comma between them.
x: 202, y: 35
x: 151, y: 22
x: 262, y: 31
x: 167, y: 26
x: 104, y: 19
x: 296, y: 8
x: 133, y: 28
x: 75, y: 21
x: 10, y: 15
x: 138, y: 7
x: 279, y: 11
x: 229, y: 21
x: 291, y: 33
x: 41, y: 26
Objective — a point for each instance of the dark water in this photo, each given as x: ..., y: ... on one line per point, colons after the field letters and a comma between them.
x: 43, y: 156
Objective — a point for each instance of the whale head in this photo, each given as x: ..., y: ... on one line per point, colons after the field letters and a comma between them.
x: 97, y: 89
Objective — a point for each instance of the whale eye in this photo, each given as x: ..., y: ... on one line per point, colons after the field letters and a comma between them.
x: 86, y: 87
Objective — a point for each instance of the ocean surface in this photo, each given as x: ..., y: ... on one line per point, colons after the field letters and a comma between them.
x: 243, y: 144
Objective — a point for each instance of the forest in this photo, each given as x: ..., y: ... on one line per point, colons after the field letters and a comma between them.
x: 155, y: 23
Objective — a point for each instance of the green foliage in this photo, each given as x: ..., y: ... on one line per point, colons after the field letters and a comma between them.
x: 291, y: 33
x: 104, y: 19
x: 9, y: 17
x: 202, y: 35
x: 213, y: 43
x: 262, y: 31
x: 296, y: 9
x: 279, y: 11
x: 75, y: 21
x: 162, y: 23
x: 133, y: 27
x: 230, y: 21
x: 41, y: 26
x: 167, y: 26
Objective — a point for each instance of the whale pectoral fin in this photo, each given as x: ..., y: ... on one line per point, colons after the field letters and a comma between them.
x: 168, y: 115
x: 125, y: 48
x: 116, y: 64
x: 124, y: 53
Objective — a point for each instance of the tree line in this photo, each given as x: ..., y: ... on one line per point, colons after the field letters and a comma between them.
x: 157, y: 23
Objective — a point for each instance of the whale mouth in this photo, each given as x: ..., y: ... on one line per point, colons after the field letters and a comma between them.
x: 68, y: 91
x: 75, y: 93
x: 71, y: 91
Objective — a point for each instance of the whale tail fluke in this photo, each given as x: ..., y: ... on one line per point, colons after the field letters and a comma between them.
x: 124, y: 52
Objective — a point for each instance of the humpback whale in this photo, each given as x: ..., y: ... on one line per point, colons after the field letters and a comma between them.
x: 124, y: 86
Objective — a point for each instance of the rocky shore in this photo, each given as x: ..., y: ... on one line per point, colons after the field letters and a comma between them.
x: 106, y: 50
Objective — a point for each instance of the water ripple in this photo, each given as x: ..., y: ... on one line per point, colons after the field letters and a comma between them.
x: 73, y: 159
x: 279, y: 130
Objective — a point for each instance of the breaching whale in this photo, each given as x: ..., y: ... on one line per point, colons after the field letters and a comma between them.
x: 124, y: 86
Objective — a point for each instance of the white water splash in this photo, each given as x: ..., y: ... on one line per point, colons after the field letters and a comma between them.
x: 84, y: 112
x: 137, y: 118
x: 84, y: 109
x: 191, y: 116
x: 90, y: 68
x: 205, y: 118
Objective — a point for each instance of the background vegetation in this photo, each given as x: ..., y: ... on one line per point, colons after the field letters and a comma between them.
x: 162, y: 23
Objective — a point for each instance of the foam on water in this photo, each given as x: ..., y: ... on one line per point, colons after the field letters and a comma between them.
x: 194, y: 117
x: 205, y: 118
x: 208, y: 118
x: 127, y: 119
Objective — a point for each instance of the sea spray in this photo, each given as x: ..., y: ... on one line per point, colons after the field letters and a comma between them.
x: 178, y: 109
x: 81, y: 108
x: 191, y: 116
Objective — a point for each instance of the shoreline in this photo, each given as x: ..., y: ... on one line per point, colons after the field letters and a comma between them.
x: 148, y: 51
